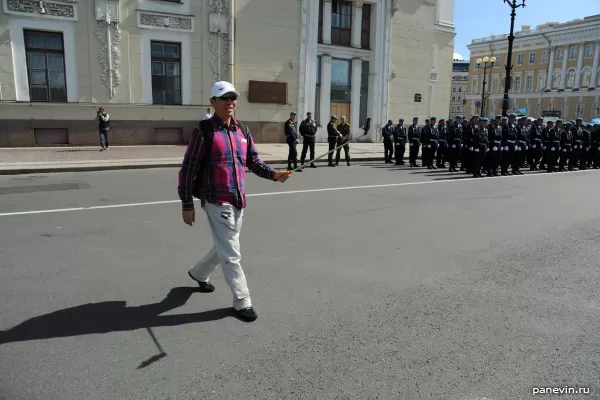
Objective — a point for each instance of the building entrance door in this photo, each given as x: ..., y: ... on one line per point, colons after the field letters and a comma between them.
x: 340, y: 109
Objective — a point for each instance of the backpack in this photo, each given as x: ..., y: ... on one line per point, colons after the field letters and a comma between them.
x: 200, y: 182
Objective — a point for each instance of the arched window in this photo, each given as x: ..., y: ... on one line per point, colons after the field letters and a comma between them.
x: 586, y: 77
x: 555, y: 79
x: 570, y: 78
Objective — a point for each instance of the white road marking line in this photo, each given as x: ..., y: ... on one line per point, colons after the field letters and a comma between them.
x: 383, y: 185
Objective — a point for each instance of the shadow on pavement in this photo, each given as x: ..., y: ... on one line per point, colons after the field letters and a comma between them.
x: 111, y: 316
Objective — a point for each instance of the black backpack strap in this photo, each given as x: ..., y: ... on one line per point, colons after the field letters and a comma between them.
x: 244, y: 128
x: 206, y: 130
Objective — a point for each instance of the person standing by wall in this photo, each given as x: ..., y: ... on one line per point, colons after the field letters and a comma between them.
x: 291, y: 138
x: 103, y: 125
x: 344, y: 129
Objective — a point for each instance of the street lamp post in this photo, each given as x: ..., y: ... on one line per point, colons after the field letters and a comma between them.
x: 507, y: 81
x: 488, y: 62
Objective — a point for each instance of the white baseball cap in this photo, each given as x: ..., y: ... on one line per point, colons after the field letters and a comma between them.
x: 221, y: 88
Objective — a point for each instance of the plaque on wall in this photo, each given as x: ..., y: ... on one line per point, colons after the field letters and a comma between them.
x: 267, y: 92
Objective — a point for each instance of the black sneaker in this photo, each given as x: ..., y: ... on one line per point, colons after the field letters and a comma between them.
x: 205, y: 287
x: 246, y: 314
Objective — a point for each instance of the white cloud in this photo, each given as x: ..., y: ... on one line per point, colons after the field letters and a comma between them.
x: 458, y: 56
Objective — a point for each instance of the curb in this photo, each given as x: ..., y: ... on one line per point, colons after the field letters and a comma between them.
x: 113, y: 167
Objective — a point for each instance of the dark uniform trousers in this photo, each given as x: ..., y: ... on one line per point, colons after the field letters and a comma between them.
x: 442, y: 153
x: 535, y: 152
x: 429, y: 150
x: 309, y: 143
x: 346, y: 151
x: 454, y: 152
x: 553, y: 153
x: 400, y: 148
x: 508, y: 154
x: 519, y: 155
x: 388, y: 148
x: 574, y: 157
x: 595, y: 154
x: 331, y: 140
x: 477, y: 158
x: 413, y: 151
x: 494, y: 156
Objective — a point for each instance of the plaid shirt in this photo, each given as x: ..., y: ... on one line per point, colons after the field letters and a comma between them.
x: 227, y: 173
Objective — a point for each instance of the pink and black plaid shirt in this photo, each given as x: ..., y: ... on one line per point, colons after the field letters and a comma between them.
x: 227, y: 172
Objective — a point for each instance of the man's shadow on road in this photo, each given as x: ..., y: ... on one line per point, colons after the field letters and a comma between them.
x: 111, y: 316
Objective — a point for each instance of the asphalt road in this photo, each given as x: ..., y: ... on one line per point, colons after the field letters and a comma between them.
x: 406, y: 284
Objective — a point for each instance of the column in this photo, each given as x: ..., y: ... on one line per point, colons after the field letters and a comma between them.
x: 595, y: 66
x: 579, y: 67
x: 563, y: 73
x: 550, y: 70
x: 327, y: 22
x: 325, y: 89
x: 357, y: 7
x: 355, y: 121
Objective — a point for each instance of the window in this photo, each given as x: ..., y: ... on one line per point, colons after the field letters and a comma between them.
x: 541, y: 85
x: 475, y: 66
x: 364, y: 91
x: 555, y: 79
x: 544, y: 56
x: 453, y: 98
x: 570, y: 78
x: 365, y: 30
x: 341, y: 22
x: 317, y: 112
x: 45, y: 56
x: 586, y: 77
x: 417, y: 97
x: 166, y: 73
x: 454, y: 89
x: 532, y: 57
x: 494, y: 85
x: 578, y: 111
x: 517, y: 84
x: 497, y: 63
x: 459, y: 90
x: 588, y: 51
x: 573, y: 53
x: 320, y: 37
x: 519, y: 59
x: 529, y: 83
x: 475, y: 85
x: 559, y: 54
x: 340, y: 80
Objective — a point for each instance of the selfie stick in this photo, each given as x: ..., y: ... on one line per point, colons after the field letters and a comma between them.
x: 366, y: 127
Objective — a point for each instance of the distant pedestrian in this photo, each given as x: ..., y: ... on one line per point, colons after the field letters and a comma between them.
x: 216, y: 174
x: 208, y: 114
x: 103, y: 125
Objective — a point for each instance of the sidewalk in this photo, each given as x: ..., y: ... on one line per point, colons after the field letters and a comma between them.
x: 28, y: 160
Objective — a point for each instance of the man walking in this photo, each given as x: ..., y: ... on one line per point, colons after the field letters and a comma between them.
x: 213, y: 169
x: 103, y: 126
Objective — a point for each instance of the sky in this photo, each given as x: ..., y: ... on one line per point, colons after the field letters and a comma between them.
x: 475, y: 19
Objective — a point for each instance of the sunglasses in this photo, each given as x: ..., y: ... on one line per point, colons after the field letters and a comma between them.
x: 231, y: 97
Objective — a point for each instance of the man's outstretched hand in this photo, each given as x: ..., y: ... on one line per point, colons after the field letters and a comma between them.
x: 282, y: 176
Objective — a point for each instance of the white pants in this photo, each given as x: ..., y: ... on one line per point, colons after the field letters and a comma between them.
x: 225, y: 224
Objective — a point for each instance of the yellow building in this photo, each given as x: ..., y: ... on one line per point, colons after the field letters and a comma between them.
x: 555, y: 71
x: 151, y: 64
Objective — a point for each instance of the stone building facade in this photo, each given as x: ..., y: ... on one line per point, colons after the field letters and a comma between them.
x: 151, y: 63
x: 556, y: 71
x: 460, y: 87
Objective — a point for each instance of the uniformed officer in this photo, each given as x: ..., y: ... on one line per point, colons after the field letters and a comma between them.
x: 455, y: 142
x: 291, y: 138
x: 509, y: 142
x: 494, y: 154
x: 577, y: 149
x: 535, y: 144
x: 442, y: 150
x: 520, y: 147
x: 400, y: 141
x: 468, y: 141
x: 414, y: 141
x: 308, y: 131
x: 553, y: 144
x: 480, y: 145
x: 566, y: 146
x: 587, y: 144
x: 332, y: 137
x: 388, y: 141
x: 344, y: 129
x: 545, y: 139
x: 430, y: 142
